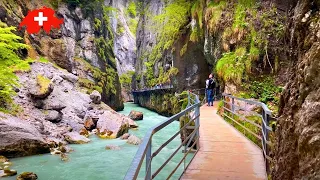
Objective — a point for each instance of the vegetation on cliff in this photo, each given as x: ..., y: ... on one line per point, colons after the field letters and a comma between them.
x: 246, y: 39
x: 10, y: 62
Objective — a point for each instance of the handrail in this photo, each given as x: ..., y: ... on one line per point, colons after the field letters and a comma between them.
x: 145, y: 147
x: 265, y: 116
x: 264, y: 106
x: 164, y: 87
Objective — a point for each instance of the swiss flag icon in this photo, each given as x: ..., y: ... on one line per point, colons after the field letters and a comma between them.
x: 41, y: 18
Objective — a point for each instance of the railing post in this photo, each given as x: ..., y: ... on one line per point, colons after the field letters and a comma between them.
x: 188, y: 99
x: 148, y: 161
x: 267, y: 119
x: 264, y: 137
x: 232, y: 109
x: 197, y: 123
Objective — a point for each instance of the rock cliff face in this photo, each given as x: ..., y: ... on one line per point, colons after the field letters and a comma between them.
x: 297, y: 150
x: 160, y: 101
x: 125, y: 41
x: 87, y: 41
x: 192, y: 66
x: 146, y: 38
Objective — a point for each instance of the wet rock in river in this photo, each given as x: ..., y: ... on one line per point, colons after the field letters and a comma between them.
x: 76, y: 138
x: 112, y: 147
x: 136, y: 115
x: 125, y: 136
x: 27, y: 176
x: 134, y: 140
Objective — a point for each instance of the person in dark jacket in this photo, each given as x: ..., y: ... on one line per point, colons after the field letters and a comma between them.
x: 210, y: 85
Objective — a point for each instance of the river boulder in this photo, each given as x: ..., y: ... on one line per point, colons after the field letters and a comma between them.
x: 75, y: 138
x: 136, y: 115
x: 90, y: 122
x: 3, y: 159
x: 19, y: 138
x: 134, y: 140
x: 7, y: 172
x: 125, y: 136
x: 110, y: 125
x: 84, y: 132
x: 27, y: 176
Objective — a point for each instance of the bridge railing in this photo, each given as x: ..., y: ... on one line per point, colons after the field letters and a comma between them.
x: 190, y: 143
x: 164, y: 87
x: 232, y: 112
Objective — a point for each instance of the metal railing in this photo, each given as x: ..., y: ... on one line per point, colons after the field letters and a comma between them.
x: 231, y: 111
x: 190, y: 141
x: 164, y: 87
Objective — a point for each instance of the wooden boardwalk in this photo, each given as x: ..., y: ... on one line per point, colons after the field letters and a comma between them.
x: 224, y: 152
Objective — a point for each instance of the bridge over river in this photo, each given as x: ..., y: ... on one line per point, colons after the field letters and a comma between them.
x: 212, y: 148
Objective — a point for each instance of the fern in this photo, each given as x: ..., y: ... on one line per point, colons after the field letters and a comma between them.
x: 9, y: 62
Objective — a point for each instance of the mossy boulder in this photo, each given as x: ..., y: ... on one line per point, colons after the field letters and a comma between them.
x: 27, y: 176
x: 43, y: 88
x: 110, y: 125
x: 3, y: 159
x: 7, y: 172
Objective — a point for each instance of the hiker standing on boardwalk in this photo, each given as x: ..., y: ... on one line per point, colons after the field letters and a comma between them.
x: 210, y: 85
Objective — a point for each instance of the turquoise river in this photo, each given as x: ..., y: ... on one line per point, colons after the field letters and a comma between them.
x: 92, y: 162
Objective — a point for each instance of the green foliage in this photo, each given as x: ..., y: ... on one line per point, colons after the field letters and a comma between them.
x: 43, y: 60
x: 239, y: 17
x: 83, y: 82
x: 105, y: 50
x: 9, y: 62
x: 120, y: 28
x: 250, y: 37
x: 132, y: 9
x: 164, y: 77
x: 110, y: 80
x: 264, y: 89
x: 197, y: 16
x: 213, y: 15
x: 184, y: 49
x: 133, y: 25
x: 126, y: 79
x: 97, y: 24
x: 231, y: 66
x: 104, y: 81
x: 169, y: 25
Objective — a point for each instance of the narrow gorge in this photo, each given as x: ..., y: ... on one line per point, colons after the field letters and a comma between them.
x: 61, y: 88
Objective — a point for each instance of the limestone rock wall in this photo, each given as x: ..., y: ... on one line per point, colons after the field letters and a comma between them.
x: 163, y: 102
x: 297, y: 149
